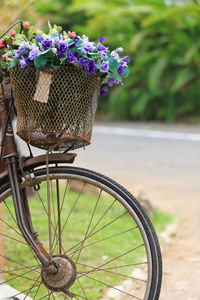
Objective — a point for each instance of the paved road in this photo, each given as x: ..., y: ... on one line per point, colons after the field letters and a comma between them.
x: 163, y: 161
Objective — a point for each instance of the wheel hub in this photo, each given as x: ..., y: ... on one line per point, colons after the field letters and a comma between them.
x: 63, y: 278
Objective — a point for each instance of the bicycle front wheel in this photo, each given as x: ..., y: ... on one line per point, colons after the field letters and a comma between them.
x: 97, y: 230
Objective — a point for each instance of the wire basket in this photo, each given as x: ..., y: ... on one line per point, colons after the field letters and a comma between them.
x: 55, y: 106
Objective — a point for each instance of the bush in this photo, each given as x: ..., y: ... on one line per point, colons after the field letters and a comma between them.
x: 163, y: 44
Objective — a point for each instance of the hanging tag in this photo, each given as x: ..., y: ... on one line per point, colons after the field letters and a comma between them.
x: 43, y: 87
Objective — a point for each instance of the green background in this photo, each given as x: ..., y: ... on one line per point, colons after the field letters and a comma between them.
x: 161, y: 39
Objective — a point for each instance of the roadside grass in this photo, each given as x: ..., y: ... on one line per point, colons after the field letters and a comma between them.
x: 97, y: 249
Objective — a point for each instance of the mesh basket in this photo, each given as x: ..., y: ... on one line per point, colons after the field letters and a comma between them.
x: 55, y: 105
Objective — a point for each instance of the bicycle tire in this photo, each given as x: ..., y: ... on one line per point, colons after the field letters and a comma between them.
x: 107, y: 189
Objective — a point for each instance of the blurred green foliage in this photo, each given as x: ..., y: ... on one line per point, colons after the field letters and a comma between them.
x: 161, y: 39
x: 163, y: 44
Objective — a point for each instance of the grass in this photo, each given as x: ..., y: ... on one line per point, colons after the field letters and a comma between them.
x: 98, y: 248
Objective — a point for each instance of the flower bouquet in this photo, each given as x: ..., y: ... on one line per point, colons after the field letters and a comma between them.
x: 56, y: 79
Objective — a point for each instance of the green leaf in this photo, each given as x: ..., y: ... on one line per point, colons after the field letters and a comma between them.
x: 116, y: 75
x: 54, y: 34
x: 19, y: 38
x: 24, y: 52
x: 113, y: 64
x: 125, y: 73
x: 40, y: 61
x: 15, y: 63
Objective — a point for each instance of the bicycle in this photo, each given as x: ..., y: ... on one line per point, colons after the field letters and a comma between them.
x: 61, y: 225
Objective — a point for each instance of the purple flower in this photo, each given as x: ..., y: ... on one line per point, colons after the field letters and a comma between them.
x: 83, y: 61
x: 116, y: 56
x: 76, y: 39
x: 30, y: 62
x: 34, y: 53
x: 23, y: 62
x: 90, y: 67
x: 120, y: 70
x: 61, y: 37
x: 111, y: 82
x: 104, y: 55
x: 56, y: 40
x: 101, y: 47
x: 120, y: 49
x: 71, y: 58
x: 17, y: 54
x: 72, y: 46
x: 76, y: 54
x: 38, y: 38
x: 62, y: 47
x: 87, y: 47
x: 103, y: 90
x: 104, y: 66
x: 126, y: 59
x: 23, y: 46
x: 47, y: 44
x: 101, y: 39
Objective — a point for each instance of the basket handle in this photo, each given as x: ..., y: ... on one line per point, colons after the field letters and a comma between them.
x: 15, y: 23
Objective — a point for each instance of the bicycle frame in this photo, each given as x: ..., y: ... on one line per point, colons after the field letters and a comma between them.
x: 15, y: 166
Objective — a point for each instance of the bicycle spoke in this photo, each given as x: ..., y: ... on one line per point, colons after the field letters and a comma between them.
x: 114, y: 273
x: 89, y: 236
x: 32, y: 287
x: 129, y: 265
x: 47, y: 295
x: 70, y: 212
x: 128, y: 230
x: 11, y: 213
x: 82, y: 288
x: 10, y: 227
x: 14, y: 261
x: 13, y: 270
x: 56, y: 236
x: 9, y: 237
x: 104, y: 214
x: 112, y: 287
x: 54, y: 214
x: 37, y: 290
x: 45, y: 209
x: 24, y: 291
x: 79, y: 296
x: 90, y: 222
x: 113, y: 259
x: 18, y: 276
x: 95, y: 225
x: 59, y: 218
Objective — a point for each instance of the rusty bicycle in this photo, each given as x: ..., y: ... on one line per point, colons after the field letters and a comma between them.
x: 68, y: 232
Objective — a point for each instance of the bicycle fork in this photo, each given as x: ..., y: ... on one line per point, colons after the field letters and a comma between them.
x: 10, y: 157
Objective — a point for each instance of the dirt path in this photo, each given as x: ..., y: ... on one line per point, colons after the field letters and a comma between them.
x: 181, y: 253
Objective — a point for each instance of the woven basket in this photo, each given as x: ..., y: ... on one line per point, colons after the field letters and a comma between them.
x: 55, y: 105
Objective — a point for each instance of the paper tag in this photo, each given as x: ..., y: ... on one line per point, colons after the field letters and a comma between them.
x: 43, y: 87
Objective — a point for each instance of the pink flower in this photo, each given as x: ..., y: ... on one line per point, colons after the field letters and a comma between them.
x: 1, y: 44
x: 3, y: 58
x: 12, y: 32
x: 26, y: 24
x: 9, y: 43
x: 71, y: 34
